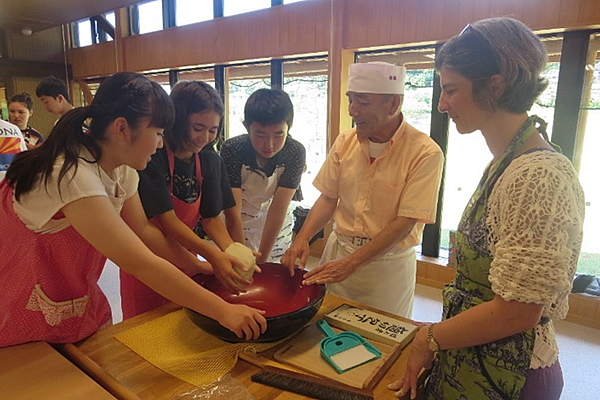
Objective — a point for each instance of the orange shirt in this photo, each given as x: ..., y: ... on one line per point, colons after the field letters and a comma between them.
x: 403, y: 180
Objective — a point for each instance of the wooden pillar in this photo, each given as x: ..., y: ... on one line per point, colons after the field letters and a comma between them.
x: 338, y: 119
x: 569, y: 91
x: 438, y: 132
x: 121, y: 31
x: 276, y: 74
x: 222, y: 87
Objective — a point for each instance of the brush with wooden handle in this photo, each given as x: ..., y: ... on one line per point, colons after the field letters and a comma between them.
x: 311, y: 386
x: 289, y: 379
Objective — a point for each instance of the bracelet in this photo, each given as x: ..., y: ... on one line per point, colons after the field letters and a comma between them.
x: 432, y: 344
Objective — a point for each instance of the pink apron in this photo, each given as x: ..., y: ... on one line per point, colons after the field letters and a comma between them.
x: 136, y: 297
x: 49, y: 282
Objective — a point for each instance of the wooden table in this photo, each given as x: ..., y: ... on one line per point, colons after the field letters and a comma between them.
x: 149, y: 382
x: 37, y: 371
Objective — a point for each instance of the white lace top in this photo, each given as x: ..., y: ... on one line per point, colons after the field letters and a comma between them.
x: 535, y: 215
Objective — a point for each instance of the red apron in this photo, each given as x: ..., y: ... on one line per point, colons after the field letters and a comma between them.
x: 49, y: 288
x: 136, y: 297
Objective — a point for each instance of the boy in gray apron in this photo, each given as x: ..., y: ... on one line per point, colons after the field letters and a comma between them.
x: 265, y: 167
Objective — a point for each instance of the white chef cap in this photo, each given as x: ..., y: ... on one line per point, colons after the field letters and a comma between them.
x: 376, y: 77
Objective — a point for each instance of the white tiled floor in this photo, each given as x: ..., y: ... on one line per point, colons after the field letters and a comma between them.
x: 579, y: 345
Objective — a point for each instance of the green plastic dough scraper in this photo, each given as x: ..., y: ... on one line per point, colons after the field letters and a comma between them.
x: 345, y: 350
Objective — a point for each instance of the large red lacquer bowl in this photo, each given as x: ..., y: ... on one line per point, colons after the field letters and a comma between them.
x: 288, y: 304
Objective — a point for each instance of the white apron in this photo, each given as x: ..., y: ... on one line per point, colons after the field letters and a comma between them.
x: 257, y: 193
x: 386, y: 283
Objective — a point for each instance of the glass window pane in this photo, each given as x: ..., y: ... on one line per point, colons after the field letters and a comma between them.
x: 466, y: 159
x: 243, y: 81
x: 151, y: 18
x: 544, y: 106
x: 166, y: 87
x: 206, y: 75
x: 190, y: 11
x: 110, y: 17
x: 233, y: 7
x: 84, y: 29
x: 589, y: 260
x: 162, y: 78
x: 306, y: 83
x: 417, y: 98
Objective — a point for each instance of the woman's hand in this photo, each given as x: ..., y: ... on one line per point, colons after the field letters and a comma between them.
x: 246, y: 322
x: 203, y: 267
x: 225, y: 273
x: 420, y: 357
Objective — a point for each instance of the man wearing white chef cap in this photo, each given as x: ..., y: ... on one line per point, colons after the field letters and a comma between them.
x: 380, y: 184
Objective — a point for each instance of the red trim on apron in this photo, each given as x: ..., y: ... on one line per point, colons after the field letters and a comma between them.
x: 49, y: 286
x: 136, y: 297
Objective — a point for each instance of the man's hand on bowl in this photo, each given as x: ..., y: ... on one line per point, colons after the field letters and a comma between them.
x: 299, y: 250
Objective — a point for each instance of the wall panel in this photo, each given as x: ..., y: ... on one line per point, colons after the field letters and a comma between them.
x: 551, y: 12
x: 408, y: 22
x: 93, y: 61
x: 481, y: 9
x: 452, y: 15
x: 417, y: 21
x: 304, y: 28
x: 301, y: 28
x: 589, y: 13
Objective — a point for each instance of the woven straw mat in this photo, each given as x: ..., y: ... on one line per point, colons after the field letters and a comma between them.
x: 178, y: 347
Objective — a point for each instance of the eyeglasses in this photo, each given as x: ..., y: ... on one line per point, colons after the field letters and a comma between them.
x: 469, y: 30
x: 466, y: 29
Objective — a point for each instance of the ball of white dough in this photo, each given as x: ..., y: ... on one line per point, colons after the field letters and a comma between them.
x: 246, y: 257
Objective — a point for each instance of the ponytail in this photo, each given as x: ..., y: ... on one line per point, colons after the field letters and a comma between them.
x: 125, y: 94
x: 66, y: 138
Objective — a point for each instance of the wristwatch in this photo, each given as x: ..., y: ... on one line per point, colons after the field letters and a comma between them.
x: 432, y: 344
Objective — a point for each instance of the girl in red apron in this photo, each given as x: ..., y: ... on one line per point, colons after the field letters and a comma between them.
x: 73, y: 202
x: 184, y: 183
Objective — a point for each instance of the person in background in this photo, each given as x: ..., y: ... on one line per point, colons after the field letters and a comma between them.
x: 380, y: 184
x: 20, y: 109
x: 12, y: 143
x: 54, y: 94
x: 73, y: 202
x: 184, y: 183
x: 519, y: 237
x: 265, y: 168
